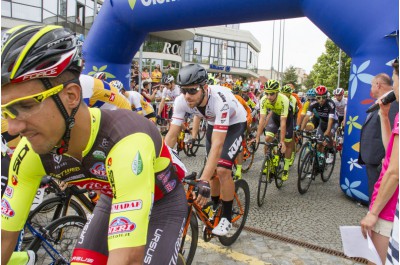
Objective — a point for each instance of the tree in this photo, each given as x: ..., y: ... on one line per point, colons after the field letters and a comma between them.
x: 309, y: 82
x: 290, y: 77
x: 325, y: 71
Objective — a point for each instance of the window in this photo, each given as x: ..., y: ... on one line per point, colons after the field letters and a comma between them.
x: 197, y: 48
x: 5, y: 9
x: 80, y: 14
x: 231, y: 52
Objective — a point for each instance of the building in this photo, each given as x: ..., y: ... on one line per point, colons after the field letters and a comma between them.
x: 224, y: 50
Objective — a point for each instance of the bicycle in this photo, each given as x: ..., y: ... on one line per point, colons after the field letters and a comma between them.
x: 54, y: 243
x: 306, y: 146
x: 338, y: 140
x: 59, y: 206
x: 202, y: 128
x: 211, y: 218
x: 271, y: 169
x: 313, y: 164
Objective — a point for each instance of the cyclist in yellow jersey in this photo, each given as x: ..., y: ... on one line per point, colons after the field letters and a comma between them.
x: 116, y: 152
x: 313, y: 121
x: 280, y: 116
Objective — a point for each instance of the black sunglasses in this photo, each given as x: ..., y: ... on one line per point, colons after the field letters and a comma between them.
x: 270, y: 94
x: 320, y: 97
x: 190, y: 91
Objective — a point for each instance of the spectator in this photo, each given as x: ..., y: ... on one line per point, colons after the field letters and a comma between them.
x: 156, y: 76
x: 378, y: 222
x: 146, y: 92
x: 372, y: 150
x: 145, y: 74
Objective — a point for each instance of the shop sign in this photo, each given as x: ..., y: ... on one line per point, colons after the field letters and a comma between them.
x: 220, y: 67
x: 172, y: 49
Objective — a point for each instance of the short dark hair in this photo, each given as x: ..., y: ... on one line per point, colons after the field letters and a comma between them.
x: 395, y: 66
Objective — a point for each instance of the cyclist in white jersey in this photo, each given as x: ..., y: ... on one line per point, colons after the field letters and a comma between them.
x: 226, y: 119
x: 169, y: 93
x: 340, y: 103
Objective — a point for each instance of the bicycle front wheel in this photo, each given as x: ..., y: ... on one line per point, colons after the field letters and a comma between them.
x: 240, y: 210
x: 279, y: 172
x: 189, y: 240
x: 60, y: 240
x: 306, y: 173
x: 328, y: 167
x: 263, y: 181
x: 302, y: 154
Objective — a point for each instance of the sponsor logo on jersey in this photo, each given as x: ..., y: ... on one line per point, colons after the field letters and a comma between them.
x: 235, y: 147
x: 99, y: 155
x: 91, y: 185
x: 98, y: 169
x: 223, y: 117
x: 225, y: 107
x: 109, y: 162
x: 6, y: 208
x: 126, y: 206
x: 57, y: 158
x: 14, y: 180
x: 112, y: 97
x: 104, y: 143
x: 121, y: 225
x: 21, y: 155
x: 9, y: 192
x: 153, y: 245
x: 164, y: 178
x: 75, y: 177
x: 112, y: 183
x: 222, y: 96
x: 137, y: 164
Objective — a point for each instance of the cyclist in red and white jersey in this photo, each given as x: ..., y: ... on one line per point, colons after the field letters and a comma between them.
x: 169, y: 93
x: 226, y: 119
x: 341, y: 103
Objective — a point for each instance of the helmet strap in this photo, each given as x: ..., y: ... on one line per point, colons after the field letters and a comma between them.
x: 69, y: 119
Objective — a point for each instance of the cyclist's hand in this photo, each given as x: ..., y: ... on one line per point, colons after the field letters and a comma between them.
x: 327, y: 140
x: 190, y: 143
x: 203, y: 192
x: 63, y: 185
x: 159, y: 120
x: 282, y: 146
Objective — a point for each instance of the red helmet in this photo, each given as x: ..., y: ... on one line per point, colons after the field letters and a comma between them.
x: 338, y: 91
x: 321, y: 91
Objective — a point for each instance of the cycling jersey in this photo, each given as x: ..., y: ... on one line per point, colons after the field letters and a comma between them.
x: 171, y: 94
x: 139, y: 104
x: 221, y: 111
x: 281, y: 107
x: 125, y: 159
x: 100, y: 94
x: 246, y: 107
x: 325, y: 112
x: 340, y: 105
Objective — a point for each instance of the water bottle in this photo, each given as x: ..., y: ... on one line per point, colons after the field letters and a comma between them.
x: 181, y: 135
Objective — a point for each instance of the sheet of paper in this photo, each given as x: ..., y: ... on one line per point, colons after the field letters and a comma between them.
x: 355, y: 245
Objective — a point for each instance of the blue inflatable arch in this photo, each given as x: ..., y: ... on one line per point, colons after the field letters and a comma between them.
x: 358, y: 27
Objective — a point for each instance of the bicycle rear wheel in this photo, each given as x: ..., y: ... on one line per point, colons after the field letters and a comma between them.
x: 306, y: 173
x: 263, y: 181
x: 240, y: 210
x: 48, y: 211
x: 189, y: 240
x: 279, y: 172
x: 328, y: 168
x: 61, y: 237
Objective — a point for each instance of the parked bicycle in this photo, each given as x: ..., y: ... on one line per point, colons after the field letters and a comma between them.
x: 210, y: 218
x: 314, y: 163
x: 271, y: 169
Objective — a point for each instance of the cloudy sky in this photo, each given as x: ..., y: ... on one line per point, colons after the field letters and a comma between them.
x: 303, y: 43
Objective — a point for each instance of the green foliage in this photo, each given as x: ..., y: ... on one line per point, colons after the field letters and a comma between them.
x: 173, y: 72
x: 290, y: 77
x: 325, y: 71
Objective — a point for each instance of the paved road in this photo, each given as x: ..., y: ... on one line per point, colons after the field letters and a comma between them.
x: 313, y: 218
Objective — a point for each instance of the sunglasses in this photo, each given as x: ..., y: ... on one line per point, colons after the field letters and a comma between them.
x: 190, y: 91
x: 320, y: 97
x: 270, y: 94
x: 23, y: 108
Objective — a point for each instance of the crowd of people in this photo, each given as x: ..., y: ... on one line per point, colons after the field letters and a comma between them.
x: 90, y: 115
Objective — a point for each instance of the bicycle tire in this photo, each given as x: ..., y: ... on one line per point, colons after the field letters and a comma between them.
x: 202, y: 129
x: 240, y: 211
x: 43, y: 252
x: 41, y: 216
x: 263, y: 181
x: 195, y: 146
x: 248, y: 159
x: 326, y: 173
x: 306, y: 173
x: 301, y: 155
x: 189, y: 253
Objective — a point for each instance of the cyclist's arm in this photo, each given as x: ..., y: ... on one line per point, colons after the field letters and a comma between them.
x: 329, y: 127
x: 162, y: 103
x: 131, y: 182
x: 172, y: 135
x: 8, y: 243
x: 137, y: 103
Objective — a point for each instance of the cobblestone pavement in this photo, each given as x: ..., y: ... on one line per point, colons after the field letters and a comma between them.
x: 312, y: 218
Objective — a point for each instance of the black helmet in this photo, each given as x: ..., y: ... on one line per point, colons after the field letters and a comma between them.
x: 192, y: 74
x: 30, y: 52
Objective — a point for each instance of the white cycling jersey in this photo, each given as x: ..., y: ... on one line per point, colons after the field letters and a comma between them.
x: 171, y: 94
x: 340, y: 106
x: 138, y: 102
x: 222, y: 109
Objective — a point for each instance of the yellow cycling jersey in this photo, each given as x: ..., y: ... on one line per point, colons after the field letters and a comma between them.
x: 100, y: 94
x: 134, y: 175
x: 305, y: 107
x: 138, y: 103
x: 281, y: 106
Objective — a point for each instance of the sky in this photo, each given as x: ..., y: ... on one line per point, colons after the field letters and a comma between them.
x: 303, y: 43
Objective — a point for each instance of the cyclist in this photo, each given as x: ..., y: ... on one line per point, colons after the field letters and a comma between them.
x: 132, y: 167
x: 169, y: 93
x: 326, y: 110
x: 136, y: 101
x: 280, y: 116
x: 313, y: 121
x: 340, y: 103
x: 100, y: 94
x: 226, y: 125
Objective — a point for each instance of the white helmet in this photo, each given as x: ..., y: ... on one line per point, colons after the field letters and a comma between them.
x: 100, y: 75
x: 168, y: 79
x: 338, y: 91
x: 117, y: 84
